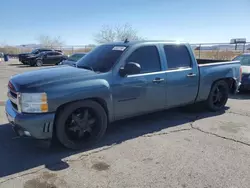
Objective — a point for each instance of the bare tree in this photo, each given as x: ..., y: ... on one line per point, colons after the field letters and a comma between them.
x: 48, y: 41
x: 116, y: 33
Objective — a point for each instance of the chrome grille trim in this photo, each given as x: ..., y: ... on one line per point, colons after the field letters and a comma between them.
x: 13, y: 99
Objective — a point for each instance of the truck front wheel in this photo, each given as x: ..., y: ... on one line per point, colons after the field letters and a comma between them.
x: 81, y: 124
x: 218, y: 96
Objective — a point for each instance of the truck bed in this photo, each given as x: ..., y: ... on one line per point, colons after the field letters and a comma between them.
x: 211, y: 70
x: 207, y: 61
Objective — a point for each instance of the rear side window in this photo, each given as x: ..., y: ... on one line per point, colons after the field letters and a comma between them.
x: 177, y: 56
x: 53, y: 53
x: 147, y: 57
x: 49, y: 53
x: 57, y: 53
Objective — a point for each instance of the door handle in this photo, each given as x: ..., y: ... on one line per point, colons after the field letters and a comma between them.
x: 158, y: 80
x: 191, y: 75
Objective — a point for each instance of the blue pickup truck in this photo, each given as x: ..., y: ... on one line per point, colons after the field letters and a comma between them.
x: 112, y: 82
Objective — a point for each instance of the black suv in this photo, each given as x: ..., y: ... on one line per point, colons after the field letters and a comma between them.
x: 23, y: 57
x: 47, y: 57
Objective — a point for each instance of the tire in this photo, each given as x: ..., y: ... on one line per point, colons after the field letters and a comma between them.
x: 217, y: 102
x: 39, y: 63
x: 64, y: 118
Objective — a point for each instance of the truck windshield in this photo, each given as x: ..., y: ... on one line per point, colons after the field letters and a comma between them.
x: 35, y: 51
x: 76, y: 57
x: 238, y: 58
x: 244, y: 59
x: 102, y: 58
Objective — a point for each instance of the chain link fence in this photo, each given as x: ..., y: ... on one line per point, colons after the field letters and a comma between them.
x: 219, y: 51
x: 67, y: 50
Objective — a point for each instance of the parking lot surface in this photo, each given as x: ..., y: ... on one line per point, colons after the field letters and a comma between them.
x: 175, y: 148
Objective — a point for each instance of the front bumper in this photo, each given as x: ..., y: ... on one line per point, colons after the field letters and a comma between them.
x: 39, y: 126
x: 244, y: 87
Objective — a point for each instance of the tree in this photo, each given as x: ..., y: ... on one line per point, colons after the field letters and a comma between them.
x: 116, y: 33
x: 47, y: 41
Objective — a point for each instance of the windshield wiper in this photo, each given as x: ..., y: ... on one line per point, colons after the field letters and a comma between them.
x: 86, y: 67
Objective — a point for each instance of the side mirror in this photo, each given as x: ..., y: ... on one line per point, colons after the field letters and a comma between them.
x: 130, y: 68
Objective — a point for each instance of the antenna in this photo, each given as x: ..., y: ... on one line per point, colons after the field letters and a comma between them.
x: 126, y: 40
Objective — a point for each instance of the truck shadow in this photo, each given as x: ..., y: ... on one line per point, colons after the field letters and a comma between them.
x: 18, y: 155
x: 15, y: 64
x: 22, y: 66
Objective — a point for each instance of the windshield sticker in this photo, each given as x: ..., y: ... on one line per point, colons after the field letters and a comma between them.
x: 120, y: 48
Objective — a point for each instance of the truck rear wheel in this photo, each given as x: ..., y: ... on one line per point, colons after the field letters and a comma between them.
x: 81, y: 124
x: 218, y: 96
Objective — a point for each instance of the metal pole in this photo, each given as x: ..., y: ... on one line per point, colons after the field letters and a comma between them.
x: 244, y: 45
x: 200, y: 51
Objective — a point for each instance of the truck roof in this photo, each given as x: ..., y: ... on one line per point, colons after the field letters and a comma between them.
x: 130, y: 43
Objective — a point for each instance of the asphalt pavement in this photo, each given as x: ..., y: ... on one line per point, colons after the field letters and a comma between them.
x: 179, y: 148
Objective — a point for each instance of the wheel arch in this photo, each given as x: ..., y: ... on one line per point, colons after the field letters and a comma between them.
x: 100, y: 101
x: 232, y: 84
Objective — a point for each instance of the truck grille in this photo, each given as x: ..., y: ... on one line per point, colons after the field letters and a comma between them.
x: 12, y: 95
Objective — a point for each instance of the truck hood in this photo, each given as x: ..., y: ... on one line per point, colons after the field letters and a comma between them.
x: 46, y: 76
x: 245, y: 69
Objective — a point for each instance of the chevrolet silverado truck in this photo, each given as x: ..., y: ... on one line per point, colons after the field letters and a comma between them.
x: 113, y: 82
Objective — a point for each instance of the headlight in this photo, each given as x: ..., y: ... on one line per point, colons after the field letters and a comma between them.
x: 33, y: 102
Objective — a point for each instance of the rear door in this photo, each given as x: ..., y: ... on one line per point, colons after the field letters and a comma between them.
x: 58, y: 57
x: 48, y: 58
x: 182, y: 75
x: 149, y: 59
x: 53, y: 58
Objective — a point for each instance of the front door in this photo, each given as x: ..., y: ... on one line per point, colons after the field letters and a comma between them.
x: 129, y: 96
x: 182, y: 76
x: 144, y: 92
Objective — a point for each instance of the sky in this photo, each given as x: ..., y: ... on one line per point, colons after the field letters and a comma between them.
x: 76, y: 21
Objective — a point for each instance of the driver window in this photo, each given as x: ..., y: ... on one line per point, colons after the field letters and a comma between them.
x: 147, y: 57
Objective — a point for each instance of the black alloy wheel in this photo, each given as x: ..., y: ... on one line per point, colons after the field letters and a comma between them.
x: 218, y: 96
x: 81, y: 124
